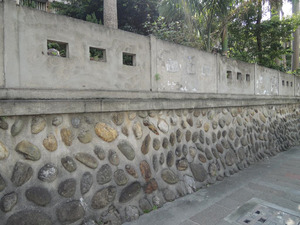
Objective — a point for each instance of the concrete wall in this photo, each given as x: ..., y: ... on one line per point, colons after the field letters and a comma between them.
x: 266, y: 81
x: 286, y: 84
x: 297, y: 86
x: 1, y: 44
x: 235, y: 77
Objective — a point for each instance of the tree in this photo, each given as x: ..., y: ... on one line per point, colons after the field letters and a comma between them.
x: 295, y: 58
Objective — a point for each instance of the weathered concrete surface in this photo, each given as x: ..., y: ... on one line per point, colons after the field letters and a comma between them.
x: 286, y: 84
x: 1, y: 44
x: 266, y: 81
x: 275, y: 180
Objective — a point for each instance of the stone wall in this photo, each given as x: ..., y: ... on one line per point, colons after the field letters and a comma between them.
x: 96, y: 168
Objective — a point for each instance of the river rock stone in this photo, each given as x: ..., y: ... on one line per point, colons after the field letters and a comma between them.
x: 38, y: 124
x: 21, y: 174
x: 162, y: 158
x: 222, y: 122
x: 100, y: 153
x: 225, y: 143
x: 3, y: 124
x: 195, y: 137
x: 155, y: 163
x: 104, y: 174
x: 87, y: 160
x: 2, y: 183
x: 27, y: 217
x: 202, y: 158
x: 179, y: 135
x: 145, y: 170
x: 69, y: 164
x: 182, y: 164
x: 120, y: 177
x: 163, y: 126
x: 131, y: 115
x: 165, y: 143
x: 3, y: 151
x: 66, y: 136
x: 190, y: 184
x: 85, y: 136
x: 156, y: 144
x: 170, y: 158
x: 111, y: 216
x: 188, y: 135
x: 150, y: 186
x: 38, y: 195
x: 57, y: 120
x: 118, y: 118
x: 131, y: 171
x: 172, y: 139
x: 76, y: 122
x: 230, y: 158
x: 151, y: 126
x: 145, y: 205
x: 105, y: 132
x: 241, y: 154
x: 130, y: 192
x: 262, y: 118
x: 146, y: 144
x: 137, y: 130
x: 142, y: 114
x: 201, y: 137
x: 169, y: 195
x: 131, y: 213
x: 86, y: 182
x: 208, y: 154
x: 198, y: 172
x: 17, y: 127
x: 113, y: 158
x: 192, y: 152
x: 125, y: 131
x: 169, y: 176
x: 70, y: 212
x: 213, y: 170
x: 239, y: 131
x: 48, y: 173
x: 244, y: 141
x: 8, y: 201
x: 127, y: 149
x: 50, y: 143
x: 104, y: 197
x: 28, y: 150
x: 178, y: 151
x: 67, y: 188
x: 206, y: 127
x: 231, y: 134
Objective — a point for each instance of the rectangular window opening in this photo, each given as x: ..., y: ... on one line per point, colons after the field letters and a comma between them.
x: 129, y: 59
x: 239, y: 76
x: 57, y: 48
x: 282, y: 82
x: 287, y: 83
x: 248, y: 77
x: 229, y: 74
x: 97, y: 54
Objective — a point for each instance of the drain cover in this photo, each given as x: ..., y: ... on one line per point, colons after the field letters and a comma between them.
x: 258, y: 212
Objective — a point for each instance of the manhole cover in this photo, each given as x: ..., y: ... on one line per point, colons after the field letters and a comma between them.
x: 258, y: 212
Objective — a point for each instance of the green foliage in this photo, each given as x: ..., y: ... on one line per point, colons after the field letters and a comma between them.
x: 29, y: 3
x: 149, y: 210
x: 157, y: 76
x: 61, y: 47
x: 96, y: 54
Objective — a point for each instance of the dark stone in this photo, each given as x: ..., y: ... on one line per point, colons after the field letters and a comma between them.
x: 155, y: 163
x: 2, y: 183
x: 169, y: 176
x: 70, y: 212
x: 120, y: 177
x: 29, y: 217
x: 162, y: 158
x: 69, y: 164
x: 67, y: 188
x: 75, y: 121
x: 104, y: 197
x: 179, y: 135
x: 213, y: 137
x: 130, y: 192
x: 215, y: 153
x: 202, y: 158
x: 213, y: 170
x: 190, y: 121
x: 145, y: 170
x: 87, y: 160
x: 219, y: 134
x: 199, y: 147
x: 113, y: 158
x: 184, y: 150
x: 224, y: 133
x: 100, y: 153
x: 28, y: 150
x: 8, y: 201
x: 150, y: 186
x: 145, y: 205
x: 156, y: 144
x: 118, y: 118
x: 230, y: 158
x: 3, y: 124
x: 231, y: 134
x: 17, y: 127
x: 221, y: 122
x: 146, y: 144
x: 104, y: 174
x: 225, y: 143
x: 21, y: 174
x: 170, y: 158
x: 38, y: 195
x: 241, y: 154
x: 131, y: 171
x: 188, y: 135
x: 199, y: 172
x: 182, y: 164
x: 201, y: 137
x: 48, y: 173
x: 207, y: 141
x: 195, y: 137
x: 169, y: 195
x: 165, y: 142
x: 178, y: 152
x: 208, y: 154
x: 111, y: 216
x: 172, y: 139
x: 219, y: 148
x: 125, y: 131
x: 127, y: 149
x: 86, y: 182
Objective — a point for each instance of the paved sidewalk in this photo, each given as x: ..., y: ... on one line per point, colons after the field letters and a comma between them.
x: 274, y: 181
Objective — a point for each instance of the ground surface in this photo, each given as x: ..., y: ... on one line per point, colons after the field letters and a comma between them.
x: 274, y: 182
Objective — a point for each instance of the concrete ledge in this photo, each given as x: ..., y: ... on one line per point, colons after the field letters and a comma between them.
x: 33, y: 102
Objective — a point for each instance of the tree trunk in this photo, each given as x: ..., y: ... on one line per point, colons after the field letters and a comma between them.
x: 258, y: 32
x: 110, y: 14
x: 225, y: 40
x: 295, y: 61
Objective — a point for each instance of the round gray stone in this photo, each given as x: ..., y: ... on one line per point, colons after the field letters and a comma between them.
x: 170, y: 158
x: 120, y: 177
x: 38, y: 124
x: 69, y: 164
x: 17, y: 127
x: 195, y: 137
x: 165, y: 142
x: 3, y: 124
x: 86, y: 182
x: 169, y: 195
x: 156, y: 144
x: 100, y: 153
x: 104, y: 197
x: 56, y: 121
x: 169, y: 176
x: 208, y: 154
x: 127, y: 149
x: 21, y: 174
x: 182, y: 164
x: 75, y: 121
x: 67, y: 188
x: 113, y: 158
x: 8, y: 201
x: 131, y: 213
x: 48, y: 173
x: 69, y: 212
x: 28, y: 150
x: 198, y: 172
x: 27, y: 217
x: 172, y: 139
x: 104, y: 174
x: 38, y: 195
x: 155, y: 163
x: 87, y: 160
x: 130, y: 192
x: 145, y: 205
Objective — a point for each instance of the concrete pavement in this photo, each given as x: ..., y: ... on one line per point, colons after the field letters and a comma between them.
x: 274, y: 183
